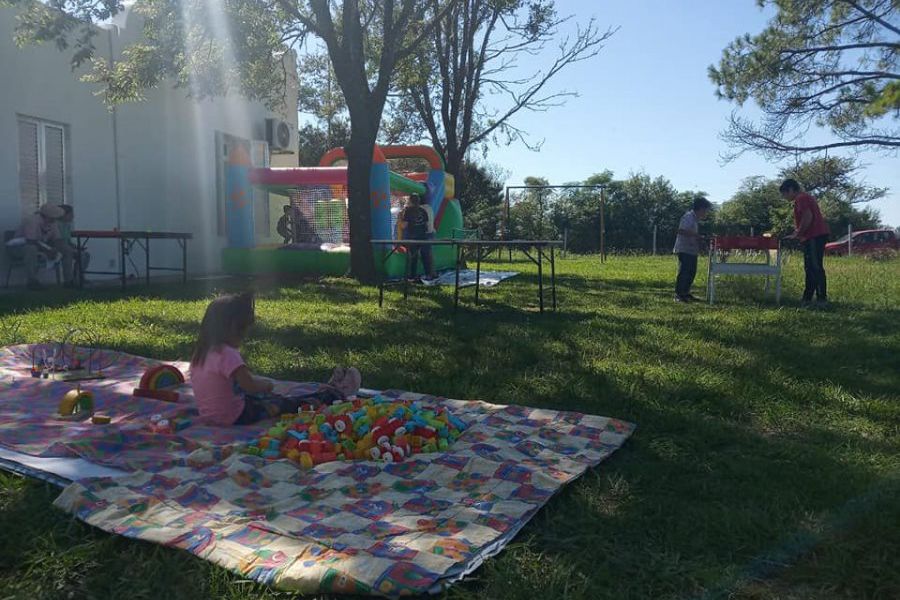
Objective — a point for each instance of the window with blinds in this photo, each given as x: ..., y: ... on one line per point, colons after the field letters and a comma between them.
x: 42, y: 164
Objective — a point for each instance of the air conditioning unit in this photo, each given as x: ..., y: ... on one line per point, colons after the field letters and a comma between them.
x: 278, y: 134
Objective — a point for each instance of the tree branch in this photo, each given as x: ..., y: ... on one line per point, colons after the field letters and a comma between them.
x: 872, y: 16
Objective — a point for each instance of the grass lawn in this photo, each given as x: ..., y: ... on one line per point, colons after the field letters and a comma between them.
x: 766, y: 463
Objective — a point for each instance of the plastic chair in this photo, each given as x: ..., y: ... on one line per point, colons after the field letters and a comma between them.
x: 18, y: 262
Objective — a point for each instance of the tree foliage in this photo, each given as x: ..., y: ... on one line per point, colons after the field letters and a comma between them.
x: 819, y: 64
x: 530, y: 212
x: 474, y: 74
x: 483, y: 201
x: 834, y: 181
x: 633, y: 207
x: 206, y: 48
x: 637, y: 204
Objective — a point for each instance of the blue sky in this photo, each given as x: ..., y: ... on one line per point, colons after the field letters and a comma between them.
x: 646, y: 104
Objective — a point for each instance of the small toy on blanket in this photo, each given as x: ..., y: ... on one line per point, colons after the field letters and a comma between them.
x: 157, y: 383
x: 376, y: 428
x: 77, y: 403
x: 159, y: 424
x: 57, y: 366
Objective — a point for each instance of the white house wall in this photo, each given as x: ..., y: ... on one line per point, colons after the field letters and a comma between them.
x: 166, y: 149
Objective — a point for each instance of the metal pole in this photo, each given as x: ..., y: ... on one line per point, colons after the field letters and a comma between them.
x: 504, y: 215
x: 849, y: 239
x: 602, y: 225
x: 541, y: 214
x: 654, y: 239
x: 751, y: 231
x: 114, y: 118
x: 508, y: 225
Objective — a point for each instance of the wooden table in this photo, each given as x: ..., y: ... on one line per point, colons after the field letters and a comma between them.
x: 395, y: 245
x: 127, y: 240
x: 536, y: 251
x: 484, y: 247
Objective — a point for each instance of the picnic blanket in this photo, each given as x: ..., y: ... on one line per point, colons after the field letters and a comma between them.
x: 358, y: 527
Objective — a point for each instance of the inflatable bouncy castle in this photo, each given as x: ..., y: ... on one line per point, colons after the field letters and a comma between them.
x: 312, y: 204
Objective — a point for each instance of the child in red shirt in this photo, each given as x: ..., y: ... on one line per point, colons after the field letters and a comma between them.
x: 811, y: 229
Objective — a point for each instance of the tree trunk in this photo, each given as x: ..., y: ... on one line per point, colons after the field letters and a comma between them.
x: 453, y: 163
x: 359, y: 170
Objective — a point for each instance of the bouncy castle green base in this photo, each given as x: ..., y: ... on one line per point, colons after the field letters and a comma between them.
x: 282, y: 261
x: 287, y: 261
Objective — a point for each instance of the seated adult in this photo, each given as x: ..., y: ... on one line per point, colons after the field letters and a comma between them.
x: 38, y: 234
x: 64, y: 226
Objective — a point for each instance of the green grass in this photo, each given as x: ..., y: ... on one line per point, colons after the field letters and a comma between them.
x: 765, y: 463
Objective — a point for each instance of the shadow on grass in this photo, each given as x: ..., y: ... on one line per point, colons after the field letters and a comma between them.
x: 703, y: 487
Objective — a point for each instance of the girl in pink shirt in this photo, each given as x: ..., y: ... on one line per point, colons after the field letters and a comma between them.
x: 226, y: 391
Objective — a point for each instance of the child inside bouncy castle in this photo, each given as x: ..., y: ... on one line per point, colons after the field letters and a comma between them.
x: 226, y: 390
x: 285, y: 226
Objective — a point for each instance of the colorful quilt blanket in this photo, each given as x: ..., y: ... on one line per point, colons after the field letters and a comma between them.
x: 359, y: 527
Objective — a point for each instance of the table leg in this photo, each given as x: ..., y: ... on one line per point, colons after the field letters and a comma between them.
x: 456, y: 286
x: 540, y: 262
x: 477, y: 270
x: 553, y: 275
x: 147, y: 260
x: 79, y: 256
x: 122, y: 261
x: 406, y: 276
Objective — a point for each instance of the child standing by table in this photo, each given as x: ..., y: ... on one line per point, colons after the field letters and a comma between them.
x: 226, y: 391
x: 416, y: 226
x: 811, y: 229
x: 687, y: 247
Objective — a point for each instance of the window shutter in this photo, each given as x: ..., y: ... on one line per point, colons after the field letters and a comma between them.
x: 54, y: 165
x: 29, y: 180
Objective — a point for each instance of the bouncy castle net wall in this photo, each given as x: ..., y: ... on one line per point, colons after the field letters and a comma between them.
x: 319, y: 215
x: 398, y: 201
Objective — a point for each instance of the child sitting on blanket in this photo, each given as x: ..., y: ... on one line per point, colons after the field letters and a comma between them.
x: 226, y: 391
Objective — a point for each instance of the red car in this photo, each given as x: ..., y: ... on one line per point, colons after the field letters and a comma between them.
x: 871, y: 240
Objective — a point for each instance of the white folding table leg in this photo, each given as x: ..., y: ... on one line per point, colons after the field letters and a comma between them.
x: 778, y: 288
x: 778, y: 275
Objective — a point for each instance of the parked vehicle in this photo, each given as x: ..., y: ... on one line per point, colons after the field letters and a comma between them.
x: 864, y: 242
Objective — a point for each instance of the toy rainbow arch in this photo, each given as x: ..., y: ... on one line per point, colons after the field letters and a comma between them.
x: 157, y: 383
x: 161, y: 377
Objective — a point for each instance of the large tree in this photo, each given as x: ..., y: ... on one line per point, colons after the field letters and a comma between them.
x: 233, y: 45
x: 475, y: 72
x: 828, y: 66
